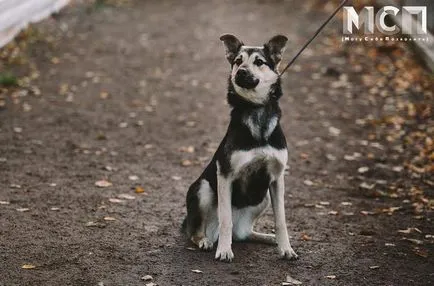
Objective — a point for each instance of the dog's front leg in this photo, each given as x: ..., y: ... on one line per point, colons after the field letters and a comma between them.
x: 224, y: 210
x: 277, y: 191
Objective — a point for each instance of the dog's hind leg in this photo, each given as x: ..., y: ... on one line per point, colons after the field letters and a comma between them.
x: 201, y: 206
x: 259, y: 237
x: 202, y: 241
x: 246, y: 219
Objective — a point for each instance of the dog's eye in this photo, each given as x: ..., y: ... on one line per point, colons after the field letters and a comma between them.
x: 259, y: 62
x: 238, y: 61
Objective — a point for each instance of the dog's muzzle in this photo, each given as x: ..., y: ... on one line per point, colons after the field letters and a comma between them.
x: 245, y: 79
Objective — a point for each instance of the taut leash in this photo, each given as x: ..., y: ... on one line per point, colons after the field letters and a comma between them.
x: 314, y: 36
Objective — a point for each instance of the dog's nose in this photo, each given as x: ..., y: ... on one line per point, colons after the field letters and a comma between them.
x: 245, y: 79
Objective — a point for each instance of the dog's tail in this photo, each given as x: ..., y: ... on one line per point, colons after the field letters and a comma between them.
x: 183, y: 228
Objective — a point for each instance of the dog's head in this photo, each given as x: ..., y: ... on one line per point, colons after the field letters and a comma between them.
x: 254, y: 69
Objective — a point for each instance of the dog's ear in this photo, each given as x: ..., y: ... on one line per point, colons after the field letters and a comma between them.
x: 232, y: 46
x: 275, y: 47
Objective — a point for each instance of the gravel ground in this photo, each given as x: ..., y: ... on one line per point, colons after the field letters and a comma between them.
x: 132, y: 96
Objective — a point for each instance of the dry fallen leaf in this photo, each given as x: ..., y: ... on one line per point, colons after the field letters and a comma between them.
x: 104, y: 95
x: 148, y: 146
x: 109, y: 168
x: 126, y: 196
x: 391, y: 210
x: 27, y: 107
x: 301, y: 143
x: 292, y: 281
x: 103, y: 184
x: 409, y: 230
x: 139, y: 190
x: 305, y: 237
x: 95, y: 224
x: 28, y: 266
x: 413, y: 240
x: 186, y: 163
x: 398, y: 169
x: 18, y: 129
x: 187, y: 149
x: 366, y: 186
x: 367, y: 213
x: 116, y: 201
x: 334, y: 131
x: 331, y: 157
x: 109, y: 218
x: 420, y: 252
x: 352, y: 157
x: 308, y: 182
x: 133, y: 178
x: 190, y: 123
x: 304, y: 156
x: 362, y: 170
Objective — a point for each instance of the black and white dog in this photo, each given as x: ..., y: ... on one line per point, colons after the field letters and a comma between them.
x: 247, y: 169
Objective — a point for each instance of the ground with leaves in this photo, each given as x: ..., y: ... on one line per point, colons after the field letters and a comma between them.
x: 110, y: 110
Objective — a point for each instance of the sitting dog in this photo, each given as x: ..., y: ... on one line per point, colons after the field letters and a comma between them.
x: 246, y: 171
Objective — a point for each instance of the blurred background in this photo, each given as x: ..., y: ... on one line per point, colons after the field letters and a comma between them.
x: 110, y: 109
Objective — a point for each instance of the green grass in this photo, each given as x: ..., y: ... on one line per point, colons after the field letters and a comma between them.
x: 8, y: 79
x: 100, y: 4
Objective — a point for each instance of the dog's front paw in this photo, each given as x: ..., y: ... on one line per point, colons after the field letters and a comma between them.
x: 225, y: 255
x: 287, y: 253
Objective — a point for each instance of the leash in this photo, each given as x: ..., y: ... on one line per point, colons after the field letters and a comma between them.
x: 314, y: 36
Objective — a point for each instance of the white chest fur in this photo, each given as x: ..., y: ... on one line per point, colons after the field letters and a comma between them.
x: 274, y: 158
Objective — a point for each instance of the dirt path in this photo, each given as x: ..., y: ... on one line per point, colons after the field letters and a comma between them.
x: 122, y: 90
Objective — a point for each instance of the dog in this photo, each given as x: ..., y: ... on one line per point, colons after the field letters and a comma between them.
x: 246, y: 172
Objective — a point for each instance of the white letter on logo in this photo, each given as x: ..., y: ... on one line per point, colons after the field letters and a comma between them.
x: 352, y: 18
x: 420, y: 12
x: 381, y: 25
